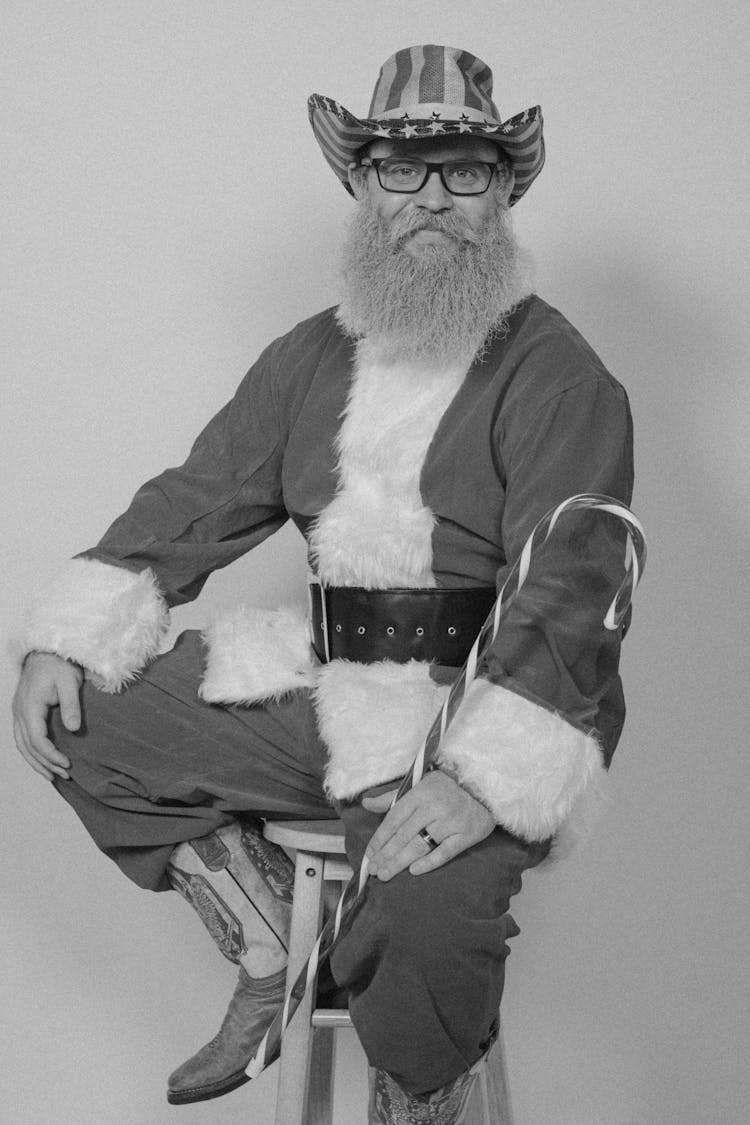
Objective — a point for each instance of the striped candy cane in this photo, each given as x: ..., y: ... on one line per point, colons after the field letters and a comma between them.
x: 635, y: 557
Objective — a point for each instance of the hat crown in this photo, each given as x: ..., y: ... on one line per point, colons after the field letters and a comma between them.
x: 430, y: 75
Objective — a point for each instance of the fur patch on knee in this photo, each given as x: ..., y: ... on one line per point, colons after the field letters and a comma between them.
x: 257, y: 654
x: 373, y: 719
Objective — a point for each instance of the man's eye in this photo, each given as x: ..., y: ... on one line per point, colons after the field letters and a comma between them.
x: 402, y: 170
x: 467, y: 172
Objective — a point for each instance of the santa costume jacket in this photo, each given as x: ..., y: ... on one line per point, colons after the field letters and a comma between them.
x: 399, y: 475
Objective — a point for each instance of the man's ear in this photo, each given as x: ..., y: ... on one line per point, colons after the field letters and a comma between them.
x: 357, y: 179
x: 508, y: 183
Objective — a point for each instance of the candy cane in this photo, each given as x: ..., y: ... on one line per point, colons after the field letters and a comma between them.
x: 634, y: 561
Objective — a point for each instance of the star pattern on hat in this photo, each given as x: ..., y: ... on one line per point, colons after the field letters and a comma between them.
x: 345, y: 133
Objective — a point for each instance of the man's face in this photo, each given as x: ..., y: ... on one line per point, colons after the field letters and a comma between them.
x: 430, y: 276
x: 433, y: 197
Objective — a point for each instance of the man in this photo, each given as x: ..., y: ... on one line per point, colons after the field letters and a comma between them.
x: 415, y: 435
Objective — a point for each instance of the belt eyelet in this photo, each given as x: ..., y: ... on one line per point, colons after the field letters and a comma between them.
x: 390, y: 630
x: 338, y: 628
x: 361, y: 631
x: 451, y: 630
x: 420, y: 631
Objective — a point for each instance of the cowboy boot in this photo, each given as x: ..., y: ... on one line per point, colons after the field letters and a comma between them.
x: 241, y: 887
x: 451, y: 1104
x: 389, y: 1104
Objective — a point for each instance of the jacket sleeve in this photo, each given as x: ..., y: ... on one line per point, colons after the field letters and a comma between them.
x: 538, y: 726
x: 108, y: 609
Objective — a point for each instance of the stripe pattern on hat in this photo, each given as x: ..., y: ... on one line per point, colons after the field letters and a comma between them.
x: 427, y: 74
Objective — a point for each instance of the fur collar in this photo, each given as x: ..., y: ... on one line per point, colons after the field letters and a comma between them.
x: 377, y: 531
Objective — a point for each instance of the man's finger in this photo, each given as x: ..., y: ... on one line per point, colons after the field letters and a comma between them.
x: 378, y: 804
x: 401, y: 839
x: 44, y: 749
x: 394, y: 819
x: 69, y: 697
x: 403, y: 859
x: 444, y: 852
x: 24, y: 750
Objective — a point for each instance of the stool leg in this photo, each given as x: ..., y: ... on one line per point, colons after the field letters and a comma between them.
x: 292, y: 1104
x: 320, y: 1086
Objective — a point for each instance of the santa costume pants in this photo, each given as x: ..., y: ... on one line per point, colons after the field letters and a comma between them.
x: 424, y: 958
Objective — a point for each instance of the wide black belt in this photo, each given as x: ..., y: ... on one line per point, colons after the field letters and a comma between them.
x: 351, y: 623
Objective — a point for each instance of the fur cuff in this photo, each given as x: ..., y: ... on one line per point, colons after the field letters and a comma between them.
x: 257, y: 654
x: 373, y: 719
x: 528, y: 765
x: 103, y: 617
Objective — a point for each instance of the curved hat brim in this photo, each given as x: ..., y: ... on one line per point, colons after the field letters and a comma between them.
x: 340, y: 135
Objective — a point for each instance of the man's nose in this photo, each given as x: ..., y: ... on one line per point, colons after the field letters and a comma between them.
x: 433, y: 194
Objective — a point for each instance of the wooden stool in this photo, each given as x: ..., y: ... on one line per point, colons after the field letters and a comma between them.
x: 305, y: 1086
x: 305, y: 1089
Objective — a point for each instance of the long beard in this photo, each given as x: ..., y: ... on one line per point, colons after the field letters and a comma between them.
x: 447, y: 303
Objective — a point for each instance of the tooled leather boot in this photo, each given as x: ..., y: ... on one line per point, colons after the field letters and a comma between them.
x: 389, y: 1104
x: 241, y: 887
x: 220, y: 1066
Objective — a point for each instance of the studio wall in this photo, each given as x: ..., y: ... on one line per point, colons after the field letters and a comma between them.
x: 146, y: 263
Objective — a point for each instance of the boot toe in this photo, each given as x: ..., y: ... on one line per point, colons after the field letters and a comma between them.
x: 198, y: 1083
x: 219, y: 1066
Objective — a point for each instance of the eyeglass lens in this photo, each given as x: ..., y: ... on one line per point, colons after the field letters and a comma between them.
x: 464, y: 177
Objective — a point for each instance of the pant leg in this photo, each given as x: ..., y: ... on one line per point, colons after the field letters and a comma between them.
x: 424, y: 957
x: 155, y: 766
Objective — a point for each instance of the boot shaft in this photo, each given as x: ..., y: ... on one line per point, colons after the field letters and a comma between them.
x: 241, y: 886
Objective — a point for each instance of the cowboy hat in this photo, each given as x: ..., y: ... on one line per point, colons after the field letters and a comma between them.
x: 424, y: 92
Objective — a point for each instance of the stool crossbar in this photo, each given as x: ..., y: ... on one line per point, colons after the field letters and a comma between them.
x: 306, y: 1067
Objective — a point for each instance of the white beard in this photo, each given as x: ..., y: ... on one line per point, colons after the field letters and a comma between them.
x: 448, y: 302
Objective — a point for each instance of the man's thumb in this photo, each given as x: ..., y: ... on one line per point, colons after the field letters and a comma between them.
x: 378, y: 804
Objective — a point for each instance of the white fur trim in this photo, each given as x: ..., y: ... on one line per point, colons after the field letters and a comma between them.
x: 377, y: 532
x: 373, y: 718
x: 528, y: 765
x: 257, y: 654
x: 106, y: 618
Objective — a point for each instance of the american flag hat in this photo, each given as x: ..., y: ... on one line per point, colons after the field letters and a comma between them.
x: 425, y: 92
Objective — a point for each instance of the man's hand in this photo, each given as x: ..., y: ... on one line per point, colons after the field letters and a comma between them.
x: 46, y: 680
x: 453, y: 818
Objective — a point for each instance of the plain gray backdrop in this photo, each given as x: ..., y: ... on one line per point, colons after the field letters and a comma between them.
x: 145, y: 267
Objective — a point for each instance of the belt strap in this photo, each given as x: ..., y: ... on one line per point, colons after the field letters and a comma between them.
x: 351, y: 623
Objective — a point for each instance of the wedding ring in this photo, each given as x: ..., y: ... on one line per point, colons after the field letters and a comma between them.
x: 428, y: 839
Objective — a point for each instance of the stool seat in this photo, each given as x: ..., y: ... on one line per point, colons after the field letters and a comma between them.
x: 305, y: 1085
x: 324, y: 836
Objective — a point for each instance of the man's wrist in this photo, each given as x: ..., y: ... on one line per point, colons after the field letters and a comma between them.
x: 449, y: 771
x: 452, y: 773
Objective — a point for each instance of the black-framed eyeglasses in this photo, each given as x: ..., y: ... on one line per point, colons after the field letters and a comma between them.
x: 409, y: 174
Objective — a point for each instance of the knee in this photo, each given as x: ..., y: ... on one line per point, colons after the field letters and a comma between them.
x: 441, y: 927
